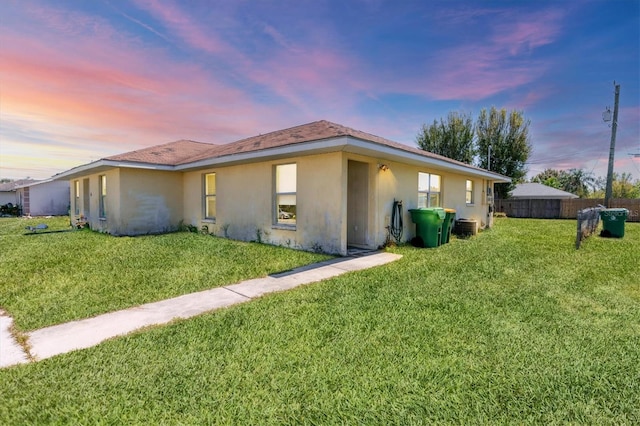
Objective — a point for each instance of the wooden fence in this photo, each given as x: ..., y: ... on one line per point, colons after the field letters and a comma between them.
x: 562, y: 209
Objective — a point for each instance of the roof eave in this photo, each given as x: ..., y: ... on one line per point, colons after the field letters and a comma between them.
x: 347, y: 144
x: 103, y: 165
x: 374, y: 149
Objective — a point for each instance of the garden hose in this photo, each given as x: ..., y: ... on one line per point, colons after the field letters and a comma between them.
x: 396, y: 226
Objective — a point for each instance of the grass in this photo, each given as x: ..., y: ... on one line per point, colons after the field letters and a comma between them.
x: 54, y: 277
x: 511, y: 326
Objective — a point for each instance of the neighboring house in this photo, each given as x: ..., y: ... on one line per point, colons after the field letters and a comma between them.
x: 538, y: 191
x: 535, y: 200
x: 43, y: 198
x: 7, y: 194
x: 319, y: 186
x: 8, y: 191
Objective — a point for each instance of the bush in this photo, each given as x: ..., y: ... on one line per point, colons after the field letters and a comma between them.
x: 10, y: 210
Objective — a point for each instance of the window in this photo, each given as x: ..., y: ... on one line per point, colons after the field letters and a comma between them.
x: 103, y: 196
x: 428, y: 190
x: 285, y: 195
x: 210, y: 196
x: 76, y: 203
x: 469, y: 192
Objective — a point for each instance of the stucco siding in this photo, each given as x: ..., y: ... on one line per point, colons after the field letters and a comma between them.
x: 141, y: 201
x: 245, y: 200
x: 8, y: 197
x: 49, y: 199
x: 91, y: 216
x: 321, y: 186
x: 400, y: 182
x: 245, y: 203
x: 150, y: 202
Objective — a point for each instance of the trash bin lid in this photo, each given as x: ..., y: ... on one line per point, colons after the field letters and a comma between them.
x: 450, y: 210
x: 439, y: 211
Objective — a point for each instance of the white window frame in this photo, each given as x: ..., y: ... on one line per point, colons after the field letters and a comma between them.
x: 469, y: 192
x: 282, y: 217
x: 428, y: 193
x: 102, y: 201
x: 209, y: 195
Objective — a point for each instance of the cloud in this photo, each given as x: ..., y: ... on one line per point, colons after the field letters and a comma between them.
x: 143, y: 25
x: 105, y: 93
x: 185, y: 28
x: 280, y: 39
x: 502, y: 60
x: 581, y: 140
x: 520, y: 36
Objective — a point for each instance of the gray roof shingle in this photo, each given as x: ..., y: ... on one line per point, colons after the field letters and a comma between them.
x: 538, y: 190
x: 185, y: 151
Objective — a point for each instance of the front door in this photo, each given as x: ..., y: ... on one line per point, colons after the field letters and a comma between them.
x: 86, y: 193
x: 357, y: 203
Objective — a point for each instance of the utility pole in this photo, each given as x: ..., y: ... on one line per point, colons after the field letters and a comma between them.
x: 612, y: 148
x: 489, y: 159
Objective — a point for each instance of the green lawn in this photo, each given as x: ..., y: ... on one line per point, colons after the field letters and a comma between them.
x: 512, y: 326
x: 53, y: 277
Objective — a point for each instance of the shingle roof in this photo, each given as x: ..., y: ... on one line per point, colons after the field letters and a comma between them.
x: 169, y: 154
x: 538, y: 190
x: 184, y: 151
x: 11, y: 186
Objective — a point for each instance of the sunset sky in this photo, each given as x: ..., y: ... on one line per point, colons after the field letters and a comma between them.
x: 82, y: 80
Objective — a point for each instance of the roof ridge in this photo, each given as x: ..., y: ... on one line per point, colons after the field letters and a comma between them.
x: 288, y: 129
x: 157, y: 147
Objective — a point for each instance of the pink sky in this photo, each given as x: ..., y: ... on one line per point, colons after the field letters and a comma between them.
x: 78, y: 84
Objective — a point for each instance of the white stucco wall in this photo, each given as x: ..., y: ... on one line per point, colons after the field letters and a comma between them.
x: 141, y: 201
x: 150, y: 202
x: 48, y: 199
x: 110, y: 222
x: 245, y: 200
x: 400, y: 182
x: 8, y: 197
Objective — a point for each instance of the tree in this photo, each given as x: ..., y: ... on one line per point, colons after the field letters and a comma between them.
x: 577, y: 181
x: 508, y: 136
x: 622, y: 186
x: 550, y: 177
x: 452, y: 138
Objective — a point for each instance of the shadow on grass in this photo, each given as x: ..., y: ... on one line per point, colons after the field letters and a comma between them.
x: 49, y: 232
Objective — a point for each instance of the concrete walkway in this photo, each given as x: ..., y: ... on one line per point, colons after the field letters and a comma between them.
x: 63, y: 338
x: 10, y: 351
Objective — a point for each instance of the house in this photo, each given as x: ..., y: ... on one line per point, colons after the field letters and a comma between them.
x: 43, y: 198
x: 8, y: 191
x: 319, y: 186
x: 7, y: 194
x: 534, y: 200
x: 538, y: 191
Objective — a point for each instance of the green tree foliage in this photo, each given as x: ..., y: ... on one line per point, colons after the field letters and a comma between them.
x: 507, y: 133
x: 576, y: 181
x: 452, y: 138
x: 622, y: 186
x: 550, y: 177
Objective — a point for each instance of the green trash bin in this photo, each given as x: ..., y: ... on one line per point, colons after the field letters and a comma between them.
x: 447, y: 225
x: 613, y: 222
x: 428, y: 225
